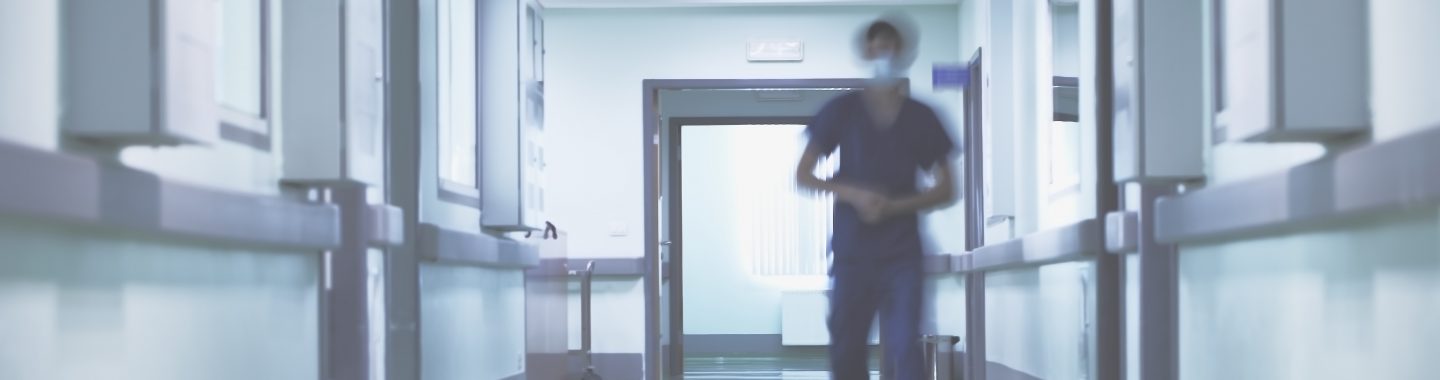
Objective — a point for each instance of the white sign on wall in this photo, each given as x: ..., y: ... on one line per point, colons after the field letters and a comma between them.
x: 775, y: 50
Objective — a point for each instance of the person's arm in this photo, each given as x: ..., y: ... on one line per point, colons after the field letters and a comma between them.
x: 941, y: 194
x: 866, y: 201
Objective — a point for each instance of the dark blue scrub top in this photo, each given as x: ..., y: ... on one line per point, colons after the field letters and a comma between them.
x: 883, y: 160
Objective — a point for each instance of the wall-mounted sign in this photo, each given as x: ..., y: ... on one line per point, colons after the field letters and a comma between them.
x: 950, y: 76
x: 775, y: 50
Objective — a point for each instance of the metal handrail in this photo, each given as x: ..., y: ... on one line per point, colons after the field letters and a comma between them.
x: 587, y: 277
x: 1383, y: 176
x: 1080, y: 241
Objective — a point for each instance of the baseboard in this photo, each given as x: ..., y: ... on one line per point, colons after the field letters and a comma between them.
x: 518, y: 376
x: 572, y: 365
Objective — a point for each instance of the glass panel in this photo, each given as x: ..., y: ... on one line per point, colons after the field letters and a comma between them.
x: 1355, y: 300
x: 1066, y: 158
x: 1038, y: 322
x: 239, y: 56
x: 1063, y: 171
x: 457, y: 104
x: 78, y: 303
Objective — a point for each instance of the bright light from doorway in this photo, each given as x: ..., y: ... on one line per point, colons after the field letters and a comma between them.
x: 786, y: 232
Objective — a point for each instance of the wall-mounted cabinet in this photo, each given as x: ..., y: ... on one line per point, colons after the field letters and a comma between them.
x: 512, y: 98
x: 139, y: 72
x: 1291, y: 70
x: 1159, y: 84
x: 333, y: 90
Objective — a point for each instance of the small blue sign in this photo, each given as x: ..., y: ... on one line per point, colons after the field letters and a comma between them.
x: 950, y: 76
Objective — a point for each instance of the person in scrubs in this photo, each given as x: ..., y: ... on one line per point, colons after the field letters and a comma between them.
x: 885, y: 141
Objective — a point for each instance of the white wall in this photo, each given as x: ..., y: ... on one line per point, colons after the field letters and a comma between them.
x: 596, y: 62
x: 1036, y: 320
x: 472, y: 322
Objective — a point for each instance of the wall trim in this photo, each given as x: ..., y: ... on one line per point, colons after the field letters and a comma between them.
x: 384, y: 226
x: 1385, y: 176
x: 67, y: 188
x: 611, y: 267
x: 604, y: 267
x: 456, y: 247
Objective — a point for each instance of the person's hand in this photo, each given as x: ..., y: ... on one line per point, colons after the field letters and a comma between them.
x: 875, y: 210
x: 872, y: 206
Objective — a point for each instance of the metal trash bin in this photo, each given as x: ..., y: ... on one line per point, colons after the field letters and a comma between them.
x: 940, y: 356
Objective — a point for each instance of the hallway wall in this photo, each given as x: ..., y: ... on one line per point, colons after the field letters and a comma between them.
x: 1336, y: 301
x: 83, y: 304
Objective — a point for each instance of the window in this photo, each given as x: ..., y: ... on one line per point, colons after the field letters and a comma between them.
x: 457, y: 72
x: 785, y: 231
x: 242, y: 72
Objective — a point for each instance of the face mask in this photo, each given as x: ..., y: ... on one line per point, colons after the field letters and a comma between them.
x: 884, y: 68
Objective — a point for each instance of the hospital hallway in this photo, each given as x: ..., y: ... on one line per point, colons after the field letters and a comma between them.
x: 719, y: 189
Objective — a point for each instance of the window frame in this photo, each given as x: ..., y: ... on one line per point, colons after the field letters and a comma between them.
x: 240, y: 127
x: 448, y: 190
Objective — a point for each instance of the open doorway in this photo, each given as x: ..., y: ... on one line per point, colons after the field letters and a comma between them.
x: 722, y: 120
x: 755, y: 250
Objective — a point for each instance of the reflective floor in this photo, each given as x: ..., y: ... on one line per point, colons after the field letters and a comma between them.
x: 801, y: 365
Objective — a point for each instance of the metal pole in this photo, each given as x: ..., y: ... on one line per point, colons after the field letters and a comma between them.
x: 975, y: 361
x: 346, y: 318
x: 1159, y: 293
x: 585, y: 342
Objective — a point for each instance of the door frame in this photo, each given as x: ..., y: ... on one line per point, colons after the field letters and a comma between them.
x: 675, y: 216
x: 650, y: 138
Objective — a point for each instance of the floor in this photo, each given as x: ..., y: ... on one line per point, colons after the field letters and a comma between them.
x: 797, y: 365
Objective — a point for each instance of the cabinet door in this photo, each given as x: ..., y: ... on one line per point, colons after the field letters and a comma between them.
x: 364, y: 90
x: 1126, y: 94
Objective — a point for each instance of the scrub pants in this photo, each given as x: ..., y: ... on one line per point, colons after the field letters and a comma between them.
x: 893, y: 287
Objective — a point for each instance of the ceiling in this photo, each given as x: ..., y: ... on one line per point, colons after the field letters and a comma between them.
x: 727, y: 3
